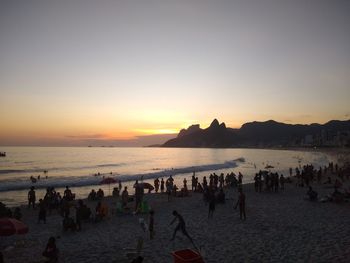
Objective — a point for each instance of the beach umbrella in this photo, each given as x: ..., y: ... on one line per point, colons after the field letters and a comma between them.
x: 147, y: 186
x: 11, y: 226
x: 109, y: 181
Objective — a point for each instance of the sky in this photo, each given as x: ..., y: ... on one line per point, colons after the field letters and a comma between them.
x: 121, y: 71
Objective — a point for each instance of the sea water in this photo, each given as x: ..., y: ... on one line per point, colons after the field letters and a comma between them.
x: 83, y: 168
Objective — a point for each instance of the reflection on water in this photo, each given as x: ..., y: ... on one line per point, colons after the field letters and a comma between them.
x: 71, y: 166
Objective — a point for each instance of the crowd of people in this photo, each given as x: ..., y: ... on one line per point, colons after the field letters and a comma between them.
x: 212, y: 187
x: 309, y: 175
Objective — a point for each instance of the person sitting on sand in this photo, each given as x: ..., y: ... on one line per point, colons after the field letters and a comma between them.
x: 241, y: 203
x: 200, y: 188
x: 180, y: 226
x: 184, y: 192
x: 100, y: 194
x: 125, y: 197
x: 312, y: 194
x: 51, y: 251
x: 31, y: 197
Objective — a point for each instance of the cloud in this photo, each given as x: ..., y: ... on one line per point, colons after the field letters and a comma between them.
x: 142, y: 140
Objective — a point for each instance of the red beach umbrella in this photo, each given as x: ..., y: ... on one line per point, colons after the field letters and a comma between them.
x: 11, y: 226
x: 108, y: 180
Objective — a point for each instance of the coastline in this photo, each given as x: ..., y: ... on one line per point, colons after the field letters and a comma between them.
x: 89, y: 182
x: 279, y: 227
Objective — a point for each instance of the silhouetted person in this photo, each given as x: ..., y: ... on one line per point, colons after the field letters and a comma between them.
x: 162, y: 186
x: 180, y: 226
x: 156, y: 185
x: 241, y: 203
x: 31, y: 197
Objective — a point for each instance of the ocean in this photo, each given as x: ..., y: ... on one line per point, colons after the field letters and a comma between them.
x: 83, y: 168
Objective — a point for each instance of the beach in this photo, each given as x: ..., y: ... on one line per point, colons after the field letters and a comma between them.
x: 280, y: 227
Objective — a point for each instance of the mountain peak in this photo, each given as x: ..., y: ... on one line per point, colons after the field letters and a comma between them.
x: 214, y: 123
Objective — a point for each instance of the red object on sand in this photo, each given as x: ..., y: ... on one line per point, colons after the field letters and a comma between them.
x: 187, y: 256
x: 108, y: 180
x: 11, y: 226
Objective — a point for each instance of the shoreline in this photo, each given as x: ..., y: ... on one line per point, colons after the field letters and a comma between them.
x: 84, y: 189
x: 280, y: 226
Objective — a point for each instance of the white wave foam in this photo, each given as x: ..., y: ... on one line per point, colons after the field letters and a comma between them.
x: 95, y: 180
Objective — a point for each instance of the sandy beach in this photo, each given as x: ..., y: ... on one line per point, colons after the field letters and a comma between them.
x: 280, y: 227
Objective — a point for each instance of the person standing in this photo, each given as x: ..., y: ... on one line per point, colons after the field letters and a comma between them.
x: 125, y: 197
x: 193, y: 181
x: 162, y: 186
x: 185, y: 183
x: 156, y: 185
x: 241, y: 203
x: 31, y: 197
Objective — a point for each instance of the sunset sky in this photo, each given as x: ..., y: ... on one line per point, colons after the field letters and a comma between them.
x: 74, y: 71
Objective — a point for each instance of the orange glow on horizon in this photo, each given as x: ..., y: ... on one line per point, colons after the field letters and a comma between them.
x: 157, y: 131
